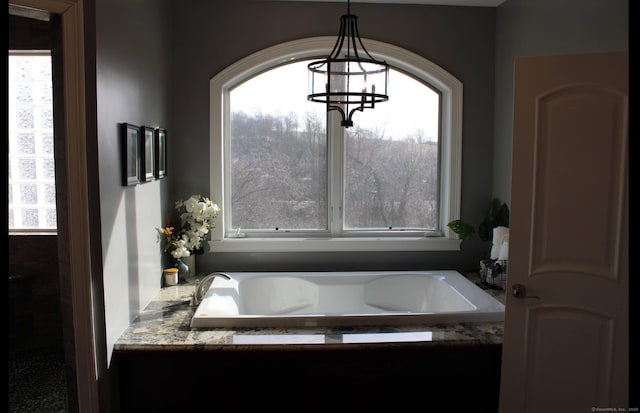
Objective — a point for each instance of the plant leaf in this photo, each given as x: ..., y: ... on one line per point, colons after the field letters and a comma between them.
x: 497, y: 216
x: 502, y: 216
x: 485, y: 230
x: 464, y: 230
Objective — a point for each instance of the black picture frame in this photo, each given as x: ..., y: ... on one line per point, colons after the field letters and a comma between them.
x: 130, y: 135
x: 148, y: 154
x: 161, y: 153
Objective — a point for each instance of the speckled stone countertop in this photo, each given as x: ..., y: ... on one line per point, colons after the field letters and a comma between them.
x: 165, y: 325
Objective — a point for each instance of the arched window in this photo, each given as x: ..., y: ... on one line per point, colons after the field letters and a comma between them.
x: 290, y: 178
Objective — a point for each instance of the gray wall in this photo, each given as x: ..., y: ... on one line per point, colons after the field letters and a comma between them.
x: 154, y: 59
x: 546, y: 27
x: 132, y: 83
x: 208, y: 36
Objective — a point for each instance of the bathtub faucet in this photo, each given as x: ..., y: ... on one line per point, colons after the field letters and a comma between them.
x: 203, y: 286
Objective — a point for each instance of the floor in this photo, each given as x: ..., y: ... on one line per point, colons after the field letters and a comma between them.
x: 37, y: 382
x: 36, y: 365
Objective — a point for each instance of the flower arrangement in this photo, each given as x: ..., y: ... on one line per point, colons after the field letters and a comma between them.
x: 197, y: 215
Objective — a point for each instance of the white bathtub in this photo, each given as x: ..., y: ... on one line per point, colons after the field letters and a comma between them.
x: 331, y: 299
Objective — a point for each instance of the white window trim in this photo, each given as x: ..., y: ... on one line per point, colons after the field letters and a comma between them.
x: 450, y: 144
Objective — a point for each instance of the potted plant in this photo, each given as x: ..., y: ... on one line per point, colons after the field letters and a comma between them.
x: 497, y: 216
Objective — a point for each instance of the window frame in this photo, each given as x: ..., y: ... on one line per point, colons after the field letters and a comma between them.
x: 450, y: 146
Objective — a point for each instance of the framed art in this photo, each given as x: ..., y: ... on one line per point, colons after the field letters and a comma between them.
x: 161, y: 153
x: 130, y: 135
x: 148, y: 158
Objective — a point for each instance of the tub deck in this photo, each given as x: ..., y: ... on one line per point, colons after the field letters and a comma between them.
x: 164, y: 325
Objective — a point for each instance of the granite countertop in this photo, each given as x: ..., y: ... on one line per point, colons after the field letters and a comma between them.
x: 165, y: 325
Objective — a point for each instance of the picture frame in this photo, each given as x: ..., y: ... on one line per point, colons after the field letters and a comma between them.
x: 148, y: 154
x: 130, y: 136
x: 161, y: 153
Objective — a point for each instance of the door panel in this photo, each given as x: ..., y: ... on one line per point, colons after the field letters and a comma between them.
x: 572, y: 169
x: 565, y: 351
x: 566, y: 341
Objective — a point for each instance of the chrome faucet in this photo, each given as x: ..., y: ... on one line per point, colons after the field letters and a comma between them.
x: 203, y: 286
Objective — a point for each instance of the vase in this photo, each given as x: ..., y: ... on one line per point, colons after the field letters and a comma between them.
x: 183, y: 270
x: 191, y: 263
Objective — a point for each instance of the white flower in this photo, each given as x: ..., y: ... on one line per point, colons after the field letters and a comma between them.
x: 199, y: 208
x: 211, y: 211
x: 197, y: 215
x: 181, y: 248
x: 190, y: 204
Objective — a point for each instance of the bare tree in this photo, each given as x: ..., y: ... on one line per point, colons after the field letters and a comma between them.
x: 279, y: 175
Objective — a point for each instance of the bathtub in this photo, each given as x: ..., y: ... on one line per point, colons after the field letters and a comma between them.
x: 332, y: 299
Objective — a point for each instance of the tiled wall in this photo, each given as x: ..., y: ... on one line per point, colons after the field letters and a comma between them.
x: 34, y: 294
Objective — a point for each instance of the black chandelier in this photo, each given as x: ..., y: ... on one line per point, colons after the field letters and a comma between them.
x: 348, y: 80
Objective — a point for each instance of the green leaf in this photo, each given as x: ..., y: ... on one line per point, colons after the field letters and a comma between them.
x: 494, y: 208
x: 464, y: 230
x: 497, y: 216
x: 501, y: 217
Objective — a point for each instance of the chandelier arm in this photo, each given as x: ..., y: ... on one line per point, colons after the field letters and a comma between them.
x: 338, y: 108
x: 364, y: 48
x: 353, y: 35
x: 335, y: 53
x: 351, y: 112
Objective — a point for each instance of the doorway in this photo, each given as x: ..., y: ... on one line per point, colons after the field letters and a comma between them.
x: 38, y: 373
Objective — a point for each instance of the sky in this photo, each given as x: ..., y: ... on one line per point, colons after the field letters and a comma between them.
x: 411, y: 105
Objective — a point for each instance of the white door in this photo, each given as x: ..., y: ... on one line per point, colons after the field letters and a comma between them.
x: 566, y: 324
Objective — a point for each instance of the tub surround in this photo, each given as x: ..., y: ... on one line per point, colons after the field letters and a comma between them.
x: 164, y: 365
x: 165, y: 325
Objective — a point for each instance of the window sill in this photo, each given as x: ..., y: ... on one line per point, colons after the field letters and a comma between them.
x: 334, y: 244
x: 33, y: 232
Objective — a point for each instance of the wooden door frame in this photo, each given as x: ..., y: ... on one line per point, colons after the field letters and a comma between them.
x: 79, y: 266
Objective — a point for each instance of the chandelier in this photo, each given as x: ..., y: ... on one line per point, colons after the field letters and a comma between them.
x: 349, y: 79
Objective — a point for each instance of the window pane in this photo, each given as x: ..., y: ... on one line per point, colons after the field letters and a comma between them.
x: 51, y: 218
x: 29, y: 218
x: 25, y: 118
x: 278, y: 153
x: 48, y: 169
x: 24, y: 94
x: 46, y: 118
x: 29, y: 193
x: 391, y: 162
x: 50, y: 194
x: 288, y: 166
x: 26, y: 143
x: 31, y: 173
x: 27, y: 168
x: 47, y: 144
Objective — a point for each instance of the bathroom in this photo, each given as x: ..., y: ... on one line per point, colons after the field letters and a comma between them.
x: 154, y: 67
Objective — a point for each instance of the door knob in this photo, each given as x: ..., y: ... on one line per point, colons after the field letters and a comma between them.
x: 520, y: 291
